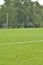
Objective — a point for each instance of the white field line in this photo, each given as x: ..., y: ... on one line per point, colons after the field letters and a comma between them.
x: 13, y: 43
x: 27, y: 34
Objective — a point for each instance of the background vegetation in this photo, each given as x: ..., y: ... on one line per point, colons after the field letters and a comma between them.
x: 21, y: 13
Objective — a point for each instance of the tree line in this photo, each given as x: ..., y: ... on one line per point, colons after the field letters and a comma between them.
x: 21, y: 13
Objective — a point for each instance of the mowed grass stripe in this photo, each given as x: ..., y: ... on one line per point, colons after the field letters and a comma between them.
x: 8, y: 38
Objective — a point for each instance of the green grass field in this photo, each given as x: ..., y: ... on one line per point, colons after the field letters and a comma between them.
x: 21, y: 46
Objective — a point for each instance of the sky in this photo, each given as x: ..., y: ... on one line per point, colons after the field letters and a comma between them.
x: 40, y: 2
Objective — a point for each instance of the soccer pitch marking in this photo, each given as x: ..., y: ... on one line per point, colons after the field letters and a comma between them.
x: 27, y: 34
x: 25, y: 42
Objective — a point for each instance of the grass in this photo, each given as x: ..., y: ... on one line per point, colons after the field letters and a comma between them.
x: 30, y: 53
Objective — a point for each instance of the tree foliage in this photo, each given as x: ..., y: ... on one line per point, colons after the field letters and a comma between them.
x: 20, y: 12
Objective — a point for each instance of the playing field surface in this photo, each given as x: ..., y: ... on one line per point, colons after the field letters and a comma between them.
x: 21, y: 46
